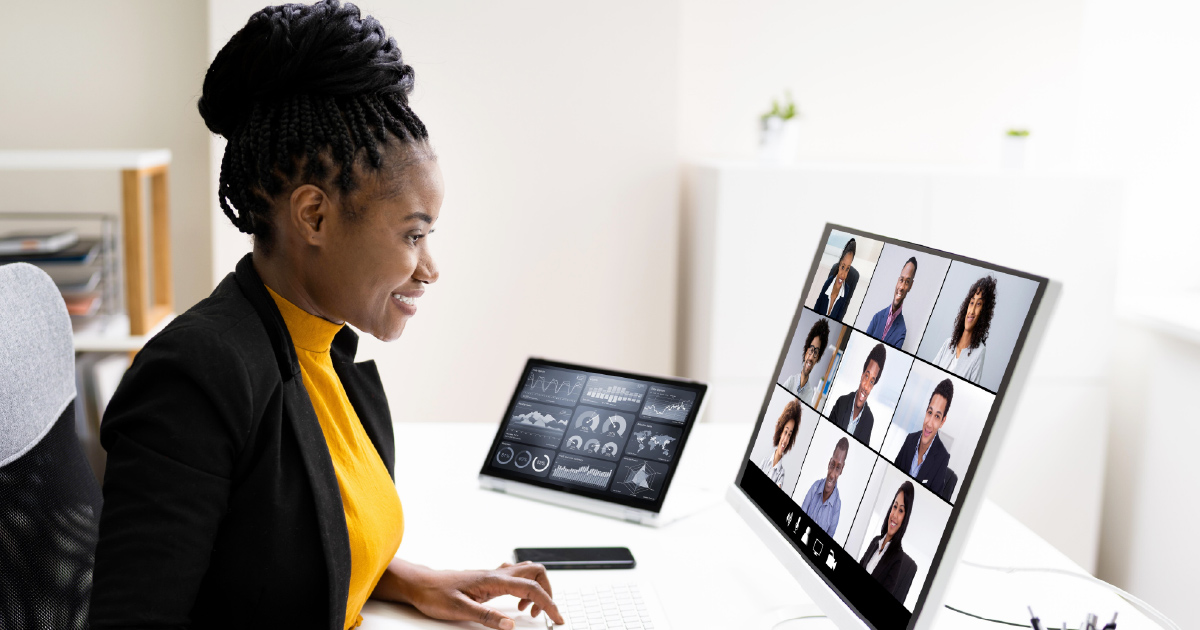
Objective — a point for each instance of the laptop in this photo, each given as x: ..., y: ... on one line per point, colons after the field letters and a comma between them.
x: 593, y: 439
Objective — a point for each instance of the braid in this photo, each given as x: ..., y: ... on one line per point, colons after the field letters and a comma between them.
x: 375, y: 120
x: 362, y: 131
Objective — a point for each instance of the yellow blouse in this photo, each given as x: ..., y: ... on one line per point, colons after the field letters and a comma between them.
x: 374, y: 516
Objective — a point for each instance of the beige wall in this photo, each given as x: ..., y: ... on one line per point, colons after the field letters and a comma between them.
x: 110, y: 75
x: 555, y: 128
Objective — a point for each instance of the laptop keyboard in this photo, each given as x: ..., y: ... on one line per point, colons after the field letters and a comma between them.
x: 604, y: 607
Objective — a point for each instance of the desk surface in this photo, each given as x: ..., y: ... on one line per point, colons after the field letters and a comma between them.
x: 709, y: 570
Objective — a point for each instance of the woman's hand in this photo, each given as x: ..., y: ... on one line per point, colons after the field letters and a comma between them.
x: 459, y: 595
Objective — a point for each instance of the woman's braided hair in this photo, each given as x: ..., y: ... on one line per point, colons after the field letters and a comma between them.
x: 300, y: 93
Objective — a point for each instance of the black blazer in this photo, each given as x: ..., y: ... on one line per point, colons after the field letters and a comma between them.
x: 843, y: 409
x: 895, y: 570
x: 839, y: 306
x: 933, y: 470
x: 221, y: 506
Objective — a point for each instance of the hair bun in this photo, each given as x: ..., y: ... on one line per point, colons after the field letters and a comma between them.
x: 323, y: 49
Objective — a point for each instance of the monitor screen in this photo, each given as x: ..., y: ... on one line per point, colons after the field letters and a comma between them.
x: 883, y: 396
x: 598, y: 433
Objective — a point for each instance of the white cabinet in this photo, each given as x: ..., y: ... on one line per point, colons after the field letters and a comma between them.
x: 750, y: 232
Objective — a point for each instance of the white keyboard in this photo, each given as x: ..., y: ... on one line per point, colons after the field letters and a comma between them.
x: 604, y: 607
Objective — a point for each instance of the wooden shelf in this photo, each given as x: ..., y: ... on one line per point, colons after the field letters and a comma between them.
x: 83, y: 160
x: 136, y: 167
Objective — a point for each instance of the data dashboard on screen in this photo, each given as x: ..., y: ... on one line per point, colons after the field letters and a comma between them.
x: 883, y: 396
x: 603, y: 434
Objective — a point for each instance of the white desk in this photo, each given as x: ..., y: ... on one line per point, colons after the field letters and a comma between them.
x: 709, y: 569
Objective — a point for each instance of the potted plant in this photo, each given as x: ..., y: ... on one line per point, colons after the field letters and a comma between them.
x: 780, y: 127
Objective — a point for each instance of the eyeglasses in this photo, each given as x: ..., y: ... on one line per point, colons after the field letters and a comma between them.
x: 813, y: 350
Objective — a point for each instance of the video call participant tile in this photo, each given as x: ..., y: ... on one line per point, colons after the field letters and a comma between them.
x: 833, y: 479
x: 807, y: 366
x: 976, y: 322
x: 598, y: 432
x: 910, y: 520
x: 843, y: 274
x: 783, y: 439
x: 866, y: 389
x: 940, y: 418
x: 651, y: 440
x: 582, y: 471
x: 522, y: 458
x: 639, y: 478
x: 901, y: 296
x: 537, y: 423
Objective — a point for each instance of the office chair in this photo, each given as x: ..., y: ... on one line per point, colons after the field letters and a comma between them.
x: 49, y: 498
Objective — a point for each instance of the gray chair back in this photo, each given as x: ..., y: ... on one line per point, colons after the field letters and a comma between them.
x: 49, y: 499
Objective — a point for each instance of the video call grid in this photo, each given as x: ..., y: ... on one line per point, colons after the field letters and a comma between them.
x: 857, y: 317
x: 623, y: 460
x: 848, y: 330
x: 852, y: 327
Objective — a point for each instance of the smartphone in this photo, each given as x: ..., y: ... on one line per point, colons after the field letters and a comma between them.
x: 578, y: 557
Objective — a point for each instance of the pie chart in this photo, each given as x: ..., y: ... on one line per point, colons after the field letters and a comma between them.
x: 590, y: 419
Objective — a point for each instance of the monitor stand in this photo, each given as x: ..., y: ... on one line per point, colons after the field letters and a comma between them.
x: 807, y: 616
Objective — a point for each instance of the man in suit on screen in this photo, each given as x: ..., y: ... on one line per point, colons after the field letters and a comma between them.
x: 851, y: 413
x: 923, y: 456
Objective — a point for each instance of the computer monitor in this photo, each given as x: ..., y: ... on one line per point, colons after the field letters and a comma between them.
x: 882, y: 421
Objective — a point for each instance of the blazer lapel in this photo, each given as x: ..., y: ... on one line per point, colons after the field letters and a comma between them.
x: 297, y: 406
x: 364, y: 389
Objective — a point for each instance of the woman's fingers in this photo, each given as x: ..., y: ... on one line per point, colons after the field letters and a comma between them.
x: 535, y: 572
x: 489, y: 617
x: 525, y: 588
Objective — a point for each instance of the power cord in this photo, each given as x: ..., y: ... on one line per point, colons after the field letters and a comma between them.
x: 1007, y: 623
x: 1137, y: 603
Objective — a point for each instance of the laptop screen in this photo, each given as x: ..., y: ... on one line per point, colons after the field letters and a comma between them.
x: 881, y: 401
x: 603, y: 434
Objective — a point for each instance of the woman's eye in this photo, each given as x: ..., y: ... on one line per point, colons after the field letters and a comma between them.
x: 414, y: 238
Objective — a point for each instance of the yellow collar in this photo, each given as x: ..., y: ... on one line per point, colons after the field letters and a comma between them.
x: 308, y: 331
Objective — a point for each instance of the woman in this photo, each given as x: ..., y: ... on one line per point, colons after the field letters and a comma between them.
x: 814, y: 348
x: 783, y: 440
x: 839, y: 286
x: 885, y: 559
x: 249, y: 458
x: 963, y: 352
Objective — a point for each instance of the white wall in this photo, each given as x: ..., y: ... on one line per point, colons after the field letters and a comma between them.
x: 555, y: 128
x: 924, y: 81
x: 1138, y: 104
x: 112, y: 75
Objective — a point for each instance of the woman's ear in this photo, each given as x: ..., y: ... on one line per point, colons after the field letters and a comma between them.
x: 308, y: 209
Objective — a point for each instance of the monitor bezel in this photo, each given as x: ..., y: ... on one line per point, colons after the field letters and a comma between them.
x: 603, y: 496
x: 825, y: 593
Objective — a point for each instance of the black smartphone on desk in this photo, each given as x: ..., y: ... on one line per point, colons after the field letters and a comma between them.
x: 578, y: 557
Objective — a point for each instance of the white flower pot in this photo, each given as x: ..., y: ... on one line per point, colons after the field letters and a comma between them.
x: 780, y: 140
x: 1013, y: 151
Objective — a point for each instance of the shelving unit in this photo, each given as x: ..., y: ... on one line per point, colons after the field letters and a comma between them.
x: 145, y: 265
